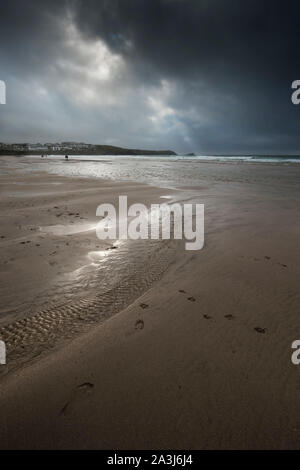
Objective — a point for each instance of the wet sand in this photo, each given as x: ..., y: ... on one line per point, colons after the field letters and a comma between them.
x: 57, y: 278
x: 200, y: 357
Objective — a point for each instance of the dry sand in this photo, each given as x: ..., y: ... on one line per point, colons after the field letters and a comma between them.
x: 200, y: 360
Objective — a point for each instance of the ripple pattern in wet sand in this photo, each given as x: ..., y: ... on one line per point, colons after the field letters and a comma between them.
x: 29, y: 337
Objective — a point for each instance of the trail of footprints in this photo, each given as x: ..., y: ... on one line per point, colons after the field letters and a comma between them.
x: 265, y: 258
x: 139, y: 324
x: 30, y: 336
x: 228, y: 316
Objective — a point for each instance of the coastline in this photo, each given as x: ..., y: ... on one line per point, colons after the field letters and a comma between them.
x: 205, y: 365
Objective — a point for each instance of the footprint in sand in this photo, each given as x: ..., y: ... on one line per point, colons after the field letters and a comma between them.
x: 80, y: 394
x: 207, y: 317
x: 139, y: 325
x: 191, y: 299
x: 144, y: 306
x: 258, y: 329
x: 268, y: 258
x: 229, y: 316
x: 182, y: 291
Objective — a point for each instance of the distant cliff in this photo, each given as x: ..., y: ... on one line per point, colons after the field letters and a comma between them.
x: 112, y: 150
x: 73, y: 148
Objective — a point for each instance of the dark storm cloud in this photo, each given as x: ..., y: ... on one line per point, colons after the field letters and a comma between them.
x: 209, y: 76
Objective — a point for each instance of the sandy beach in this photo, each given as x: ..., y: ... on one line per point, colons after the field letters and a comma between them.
x: 167, y: 349
x: 149, y: 230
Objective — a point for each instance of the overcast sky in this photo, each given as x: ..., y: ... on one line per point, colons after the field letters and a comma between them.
x: 209, y: 76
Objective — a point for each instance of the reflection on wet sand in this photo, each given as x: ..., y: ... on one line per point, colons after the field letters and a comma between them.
x: 66, y: 277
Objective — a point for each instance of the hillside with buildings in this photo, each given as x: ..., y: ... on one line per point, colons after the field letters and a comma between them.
x: 74, y: 148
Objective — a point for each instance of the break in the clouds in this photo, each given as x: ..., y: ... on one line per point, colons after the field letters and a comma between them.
x: 209, y: 76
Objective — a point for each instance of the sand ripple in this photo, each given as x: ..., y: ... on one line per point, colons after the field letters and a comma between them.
x: 34, y: 335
